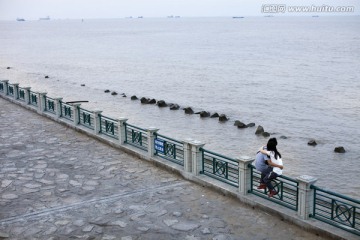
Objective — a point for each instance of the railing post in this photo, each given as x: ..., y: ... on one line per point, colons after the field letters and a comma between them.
x: 57, y: 107
x: 42, y: 102
x: 151, y: 140
x: 76, y: 107
x: 196, y: 157
x: 306, y: 196
x: 97, y: 121
x: 16, y: 91
x: 122, y: 127
x: 27, y: 94
x: 244, y: 174
x: 187, y: 155
x: 6, y: 86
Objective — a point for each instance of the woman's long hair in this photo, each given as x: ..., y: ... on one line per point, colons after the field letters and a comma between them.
x: 271, y: 146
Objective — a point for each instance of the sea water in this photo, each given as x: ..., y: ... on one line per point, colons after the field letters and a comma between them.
x: 298, y: 77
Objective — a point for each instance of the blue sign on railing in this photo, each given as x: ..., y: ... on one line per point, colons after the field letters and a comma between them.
x: 160, y: 145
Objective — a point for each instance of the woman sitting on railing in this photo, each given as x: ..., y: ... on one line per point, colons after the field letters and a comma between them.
x: 275, y: 162
x: 264, y: 165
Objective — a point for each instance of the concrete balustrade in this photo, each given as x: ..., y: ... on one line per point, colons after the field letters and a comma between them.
x: 306, y: 196
x: 122, y: 128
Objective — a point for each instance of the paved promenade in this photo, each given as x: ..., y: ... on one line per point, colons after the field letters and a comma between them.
x: 57, y: 183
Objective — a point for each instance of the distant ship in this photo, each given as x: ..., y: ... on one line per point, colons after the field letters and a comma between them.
x: 237, y: 17
x: 268, y: 16
x: 45, y: 18
x: 20, y: 19
x: 315, y: 16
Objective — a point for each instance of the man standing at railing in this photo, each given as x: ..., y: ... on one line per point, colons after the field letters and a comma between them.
x: 264, y: 165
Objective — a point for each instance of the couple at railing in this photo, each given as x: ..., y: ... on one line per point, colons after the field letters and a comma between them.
x: 268, y: 161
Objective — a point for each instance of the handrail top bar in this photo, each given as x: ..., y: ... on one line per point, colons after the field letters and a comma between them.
x: 107, y: 118
x: 174, y: 140
x: 335, y: 194
x: 125, y: 123
x: 218, y: 155
x: 85, y: 110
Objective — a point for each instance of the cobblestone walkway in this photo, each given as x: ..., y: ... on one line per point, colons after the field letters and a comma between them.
x: 59, y: 184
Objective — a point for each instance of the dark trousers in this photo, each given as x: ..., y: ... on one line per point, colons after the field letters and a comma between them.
x: 264, y: 173
x: 267, y: 179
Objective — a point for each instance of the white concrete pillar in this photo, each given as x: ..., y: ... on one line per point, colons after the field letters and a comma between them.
x: 76, y: 107
x: 42, y: 101
x: 196, y: 157
x: 244, y: 174
x: 121, y: 129
x: 97, y: 121
x: 27, y: 94
x: 306, y: 196
x: 57, y: 106
x: 151, y: 140
x: 16, y: 91
x: 187, y: 155
x: 6, y: 86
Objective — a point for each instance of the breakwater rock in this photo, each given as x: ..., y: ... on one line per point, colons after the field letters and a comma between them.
x: 188, y: 110
x: 161, y: 103
x: 339, y: 150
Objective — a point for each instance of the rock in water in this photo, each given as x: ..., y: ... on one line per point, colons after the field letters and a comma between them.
x: 266, y: 134
x: 339, y: 149
x: 161, y: 103
x: 174, y: 106
x: 223, y: 118
x: 144, y: 100
x: 188, y: 110
x: 204, y: 114
x: 312, y: 143
x: 152, y: 101
x: 259, y: 130
x: 134, y: 97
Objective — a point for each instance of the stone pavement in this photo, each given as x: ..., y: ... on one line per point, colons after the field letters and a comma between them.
x: 57, y: 183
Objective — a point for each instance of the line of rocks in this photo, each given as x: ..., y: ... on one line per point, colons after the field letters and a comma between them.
x: 222, y: 117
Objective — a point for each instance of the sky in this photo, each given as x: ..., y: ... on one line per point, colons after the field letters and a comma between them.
x: 77, y: 9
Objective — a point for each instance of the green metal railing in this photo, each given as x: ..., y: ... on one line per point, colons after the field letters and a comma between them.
x: 33, y: 99
x: 11, y: 90
x: 220, y: 167
x: 286, y: 187
x: 67, y: 111
x: 136, y: 136
x: 1, y: 87
x: 109, y: 127
x: 171, y: 149
x: 337, y: 210
x: 49, y: 105
x: 21, y: 94
x: 86, y: 118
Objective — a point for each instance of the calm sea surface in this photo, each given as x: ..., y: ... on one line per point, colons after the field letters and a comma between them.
x: 297, y: 77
